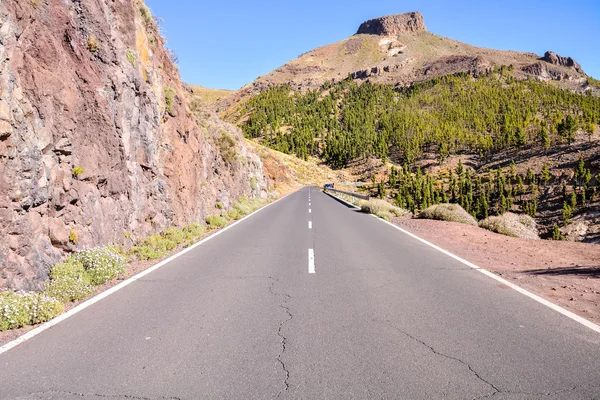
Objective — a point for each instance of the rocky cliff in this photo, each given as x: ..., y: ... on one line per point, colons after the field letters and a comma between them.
x: 393, y: 25
x: 97, y: 141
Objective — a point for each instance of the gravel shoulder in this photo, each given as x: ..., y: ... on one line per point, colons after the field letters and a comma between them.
x: 566, y: 273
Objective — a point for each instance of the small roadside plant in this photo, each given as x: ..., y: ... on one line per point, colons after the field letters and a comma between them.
x: 448, y: 212
x: 510, y: 224
x: 215, y: 221
x: 69, y: 282
x: 381, y: 208
x: 245, y: 206
x: 18, y: 309
x: 101, y: 264
x: 219, y: 205
x: 158, y: 245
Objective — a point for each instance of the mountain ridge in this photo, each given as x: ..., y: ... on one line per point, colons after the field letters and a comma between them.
x: 397, y: 49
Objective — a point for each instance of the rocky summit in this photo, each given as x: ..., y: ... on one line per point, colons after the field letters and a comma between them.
x: 393, y: 25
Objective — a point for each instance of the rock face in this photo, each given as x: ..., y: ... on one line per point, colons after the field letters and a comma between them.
x: 393, y: 25
x: 553, y: 58
x: 97, y: 141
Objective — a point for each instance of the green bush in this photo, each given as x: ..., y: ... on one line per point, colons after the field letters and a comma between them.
x: 245, y: 206
x: 159, y: 245
x: 131, y: 57
x: 43, y: 308
x: 77, y: 170
x: 146, y: 14
x: 101, y: 264
x: 18, y: 309
x: 215, y: 221
x: 219, y: 205
x: 233, y: 214
x: 448, y: 212
x: 169, y: 100
x: 381, y: 208
x: 69, y: 282
x: 227, y: 147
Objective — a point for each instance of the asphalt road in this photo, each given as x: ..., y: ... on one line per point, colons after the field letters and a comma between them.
x: 241, y: 317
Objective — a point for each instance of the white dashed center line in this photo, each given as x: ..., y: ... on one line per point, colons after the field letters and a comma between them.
x: 309, y: 224
x: 309, y: 210
x: 311, y: 261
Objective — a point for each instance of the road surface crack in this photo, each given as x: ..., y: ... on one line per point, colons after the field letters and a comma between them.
x: 434, y: 351
x: 107, y: 396
x: 285, y: 307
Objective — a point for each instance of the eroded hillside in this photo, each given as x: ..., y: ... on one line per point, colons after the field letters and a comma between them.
x: 97, y: 141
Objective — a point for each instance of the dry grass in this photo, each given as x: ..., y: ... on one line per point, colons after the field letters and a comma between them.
x: 382, y: 209
x: 211, y: 96
x: 515, y: 225
x: 289, y: 171
x: 448, y: 212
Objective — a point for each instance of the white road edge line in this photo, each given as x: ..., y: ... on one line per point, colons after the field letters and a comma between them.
x: 311, y: 261
x: 309, y: 224
x: 555, y: 307
x: 108, y: 292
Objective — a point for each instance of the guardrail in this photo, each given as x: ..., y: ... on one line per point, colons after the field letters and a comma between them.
x: 352, y: 194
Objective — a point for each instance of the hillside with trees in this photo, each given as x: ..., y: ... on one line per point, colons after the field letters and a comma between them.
x: 494, y: 120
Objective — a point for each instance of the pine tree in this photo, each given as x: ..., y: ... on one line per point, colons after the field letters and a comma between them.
x: 556, y: 235
x: 546, y: 175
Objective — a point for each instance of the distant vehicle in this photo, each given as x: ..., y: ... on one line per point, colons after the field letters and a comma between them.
x: 329, y: 186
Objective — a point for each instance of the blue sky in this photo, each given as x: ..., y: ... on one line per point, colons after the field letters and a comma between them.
x: 227, y: 44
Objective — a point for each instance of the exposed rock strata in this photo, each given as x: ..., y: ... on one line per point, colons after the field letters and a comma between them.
x: 393, y: 25
x: 97, y: 142
x: 553, y: 58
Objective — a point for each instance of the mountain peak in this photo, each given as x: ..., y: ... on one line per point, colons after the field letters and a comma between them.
x: 393, y: 25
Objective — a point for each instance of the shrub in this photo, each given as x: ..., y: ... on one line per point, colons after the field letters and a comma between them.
x: 169, y: 100
x: 158, y: 245
x: 68, y: 282
x: 510, y: 224
x: 233, y: 214
x: 219, y: 205
x: 194, y: 231
x: 73, y: 236
x: 77, y: 170
x: 18, y: 309
x: 145, y: 252
x: 253, y: 183
x: 14, y: 310
x: 43, y: 308
x: 215, y: 221
x: 227, y: 147
x: 101, y: 264
x: 146, y: 14
x: 131, y: 57
x: 381, y: 208
x: 245, y: 206
x: 448, y: 212
x: 92, y: 44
